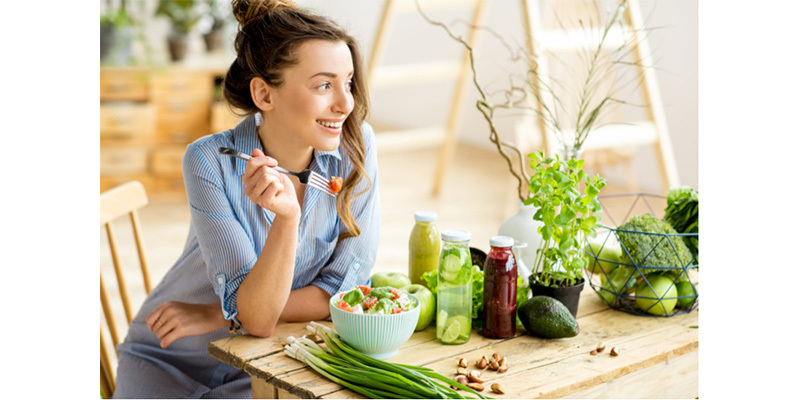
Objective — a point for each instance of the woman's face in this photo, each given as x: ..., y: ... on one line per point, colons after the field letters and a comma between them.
x: 315, y: 98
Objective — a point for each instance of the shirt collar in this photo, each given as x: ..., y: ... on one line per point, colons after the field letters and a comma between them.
x: 245, y: 139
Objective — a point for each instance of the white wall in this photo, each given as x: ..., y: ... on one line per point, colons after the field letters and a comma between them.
x: 673, y: 44
x: 674, y: 48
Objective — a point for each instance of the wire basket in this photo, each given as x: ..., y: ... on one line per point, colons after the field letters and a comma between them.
x: 662, y: 288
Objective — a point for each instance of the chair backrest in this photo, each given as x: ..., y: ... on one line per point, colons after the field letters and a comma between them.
x: 118, y: 202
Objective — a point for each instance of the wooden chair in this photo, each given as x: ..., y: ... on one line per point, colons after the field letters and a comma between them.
x: 118, y: 202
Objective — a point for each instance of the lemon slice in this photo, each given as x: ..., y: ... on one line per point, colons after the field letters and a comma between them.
x: 440, y: 320
x: 451, y: 333
x: 463, y: 322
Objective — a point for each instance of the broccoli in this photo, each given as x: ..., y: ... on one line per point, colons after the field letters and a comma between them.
x: 653, y: 249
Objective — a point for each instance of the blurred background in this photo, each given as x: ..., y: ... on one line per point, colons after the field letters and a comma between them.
x: 162, y: 64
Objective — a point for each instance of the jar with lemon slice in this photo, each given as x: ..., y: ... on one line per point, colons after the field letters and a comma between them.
x: 454, y: 293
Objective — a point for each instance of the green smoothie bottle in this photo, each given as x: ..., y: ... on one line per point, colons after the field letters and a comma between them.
x: 454, y: 290
x: 424, y: 246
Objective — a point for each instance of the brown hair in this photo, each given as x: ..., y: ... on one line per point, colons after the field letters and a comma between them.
x: 269, y: 33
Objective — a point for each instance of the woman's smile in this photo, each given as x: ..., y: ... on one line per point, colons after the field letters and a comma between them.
x: 332, y: 126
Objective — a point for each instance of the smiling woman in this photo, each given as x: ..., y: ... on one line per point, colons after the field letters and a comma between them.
x: 261, y: 248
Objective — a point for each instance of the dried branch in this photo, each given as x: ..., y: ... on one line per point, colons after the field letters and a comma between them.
x: 527, y: 93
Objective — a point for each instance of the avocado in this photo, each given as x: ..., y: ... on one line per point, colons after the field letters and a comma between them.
x: 548, y: 318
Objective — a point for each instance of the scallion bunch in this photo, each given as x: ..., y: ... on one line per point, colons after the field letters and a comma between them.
x: 369, y: 376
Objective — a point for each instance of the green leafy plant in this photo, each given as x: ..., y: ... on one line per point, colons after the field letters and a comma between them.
x: 683, y: 212
x: 116, y: 17
x: 215, y: 11
x: 182, y: 14
x: 569, y: 214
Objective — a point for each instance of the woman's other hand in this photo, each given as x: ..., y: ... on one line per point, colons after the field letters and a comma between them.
x: 174, y: 320
x: 269, y: 188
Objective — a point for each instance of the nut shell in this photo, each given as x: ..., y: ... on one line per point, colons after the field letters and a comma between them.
x: 475, y: 386
x: 475, y: 376
x: 600, y: 347
x: 498, y: 388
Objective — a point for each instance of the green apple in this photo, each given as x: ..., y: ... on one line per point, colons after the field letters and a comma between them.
x: 688, y: 294
x: 602, y: 256
x: 427, y: 304
x: 664, y: 289
x: 396, y: 280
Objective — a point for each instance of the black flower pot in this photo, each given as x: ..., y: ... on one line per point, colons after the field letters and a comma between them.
x: 568, y: 295
x: 213, y: 39
x: 178, y: 46
x: 107, y: 40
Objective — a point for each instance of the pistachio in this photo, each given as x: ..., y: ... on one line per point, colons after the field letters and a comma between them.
x: 501, y: 361
x: 614, y: 352
x: 462, y: 371
x: 482, y: 363
x: 462, y: 362
x: 502, y: 369
x: 496, y: 356
x: 475, y: 376
x: 593, y: 352
x: 600, y: 347
x: 462, y: 379
x: 475, y: 386
x: 494, y: 366
x: 498, y: 388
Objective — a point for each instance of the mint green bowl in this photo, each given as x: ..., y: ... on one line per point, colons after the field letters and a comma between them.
x: 378, y: 336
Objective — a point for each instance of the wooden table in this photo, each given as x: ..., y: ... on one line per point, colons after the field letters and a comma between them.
x: 658, y: 359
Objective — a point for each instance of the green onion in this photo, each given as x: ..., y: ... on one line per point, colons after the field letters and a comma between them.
x: 369, y: 376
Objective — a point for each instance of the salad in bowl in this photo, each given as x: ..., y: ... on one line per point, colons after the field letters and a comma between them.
x: 381, y: 301
x: 375, y: 321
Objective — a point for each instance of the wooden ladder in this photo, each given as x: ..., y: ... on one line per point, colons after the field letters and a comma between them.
x: 611, y: 137
x: 442, y: 136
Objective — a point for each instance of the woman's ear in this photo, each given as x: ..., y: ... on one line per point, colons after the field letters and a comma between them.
x: 261, y: 94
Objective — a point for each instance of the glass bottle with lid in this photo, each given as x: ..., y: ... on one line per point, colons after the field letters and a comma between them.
x: 424, y: 245
x: 500, y: 289
x: 454, y: 290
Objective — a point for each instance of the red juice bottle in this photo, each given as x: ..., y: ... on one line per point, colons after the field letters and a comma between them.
x: 500, y: 290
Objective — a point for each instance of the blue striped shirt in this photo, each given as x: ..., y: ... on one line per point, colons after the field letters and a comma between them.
x: 226, y: 236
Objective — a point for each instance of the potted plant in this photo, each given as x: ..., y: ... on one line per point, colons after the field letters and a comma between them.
x: 183, y: 16
x: 567, y: 207
x: 214, y: 14
x: 562, y: 212
x: 116, y: 33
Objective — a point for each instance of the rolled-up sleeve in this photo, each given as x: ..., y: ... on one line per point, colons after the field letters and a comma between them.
x: 226, y: 247
x: 353, y: 258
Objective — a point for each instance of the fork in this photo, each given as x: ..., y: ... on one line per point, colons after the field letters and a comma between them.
x: 306, y: 176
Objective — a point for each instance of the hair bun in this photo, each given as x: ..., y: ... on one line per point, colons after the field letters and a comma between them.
x: 247, y: 11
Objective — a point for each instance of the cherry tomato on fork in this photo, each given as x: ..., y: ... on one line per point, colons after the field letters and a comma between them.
x: 335, y: 184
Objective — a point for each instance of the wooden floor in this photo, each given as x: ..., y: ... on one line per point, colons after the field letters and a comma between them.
x: 477, y: 195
